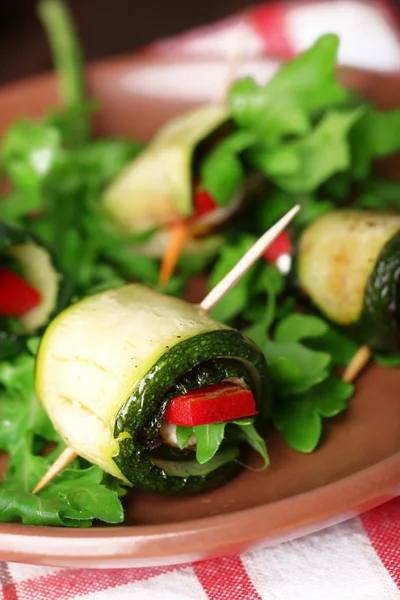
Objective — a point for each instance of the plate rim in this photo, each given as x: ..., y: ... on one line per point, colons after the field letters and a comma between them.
x: 142, y: 546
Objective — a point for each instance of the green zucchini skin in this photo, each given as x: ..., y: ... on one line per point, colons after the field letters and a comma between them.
x: 220, y: 354
x: 12, y: 343
x: 353, y: 278
x: 379, y: 323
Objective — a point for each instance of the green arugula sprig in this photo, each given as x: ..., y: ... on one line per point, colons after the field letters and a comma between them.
x: 78, y: 495
x: 299, y: 417
x: 301, y: 350
x: 288, y: 104
x: 305, y: 386
x: 311, y: 138
x: 68, y: 60
x: 210, y: 437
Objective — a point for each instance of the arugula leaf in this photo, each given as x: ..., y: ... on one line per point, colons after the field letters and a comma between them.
x: 221, y: 171
x: 19, y: 410
x: 33, y: 510
x: 235, y: 300
x: 29, y: 152
x: 239, y: 140
x: 277, y: 202
x: 209, y: 439
x: 299, y: 91
x: 91, y: 167
x: 84, y: 491
x: 256, y: 108
x: 375, y: 135
x: 294, y: 368
x: 302, y: 165
x: 32, y: 345
x: 340, y: 347
x: 45, y: 173
x: 339, y: 186
x: 312, y: 208
x: 255, y: 440
x: 32, y: 144
x: 221, y: 175
x: 379, y: 194
x: 271, y: 207
x: 76, y: 496
x: 392, y: 360
x: 133, y: 264
x: 298, y: 327
x: 273, y: 283
x: 298, y: 418
x: 183, y: 435
x: 71, y: 224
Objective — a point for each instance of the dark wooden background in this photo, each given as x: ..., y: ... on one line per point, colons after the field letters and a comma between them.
x: 106, y: 27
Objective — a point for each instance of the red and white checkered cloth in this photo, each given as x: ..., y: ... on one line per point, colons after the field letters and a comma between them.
x: 369, y: 33
x: 355, y: 560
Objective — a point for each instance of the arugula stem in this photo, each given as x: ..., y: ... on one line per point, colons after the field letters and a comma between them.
x: 68, y: 59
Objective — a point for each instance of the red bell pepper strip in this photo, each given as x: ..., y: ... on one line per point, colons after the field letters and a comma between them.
x: 16, y: 295
x: 211, y: 404
x: 203, y: 201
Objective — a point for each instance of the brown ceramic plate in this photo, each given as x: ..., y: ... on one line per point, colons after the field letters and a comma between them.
x: 358, y: 463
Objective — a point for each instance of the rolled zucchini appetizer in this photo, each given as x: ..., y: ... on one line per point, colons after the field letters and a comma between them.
x: 349, y: 265
x: 156, y: 189
x: 29, y: 287
x: 113, y: 366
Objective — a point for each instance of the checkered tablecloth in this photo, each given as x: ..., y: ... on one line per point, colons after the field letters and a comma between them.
x: 355, y: 560
x: 369, y: 33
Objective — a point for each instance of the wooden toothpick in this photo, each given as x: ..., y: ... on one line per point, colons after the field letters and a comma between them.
x: 234, y: 60
x: 216, y: 294
x: 65, y: 458
x: 357, y: 364
x: 247, y: 261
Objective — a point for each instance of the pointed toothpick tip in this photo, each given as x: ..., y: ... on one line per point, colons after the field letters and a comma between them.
x: 248, y: 260
x: 65, y: 458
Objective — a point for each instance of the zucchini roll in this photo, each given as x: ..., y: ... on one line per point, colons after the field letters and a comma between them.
x: 29, y: 287
x: 349, y: 265
x: 156, y: 189
x: 110, y: 366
